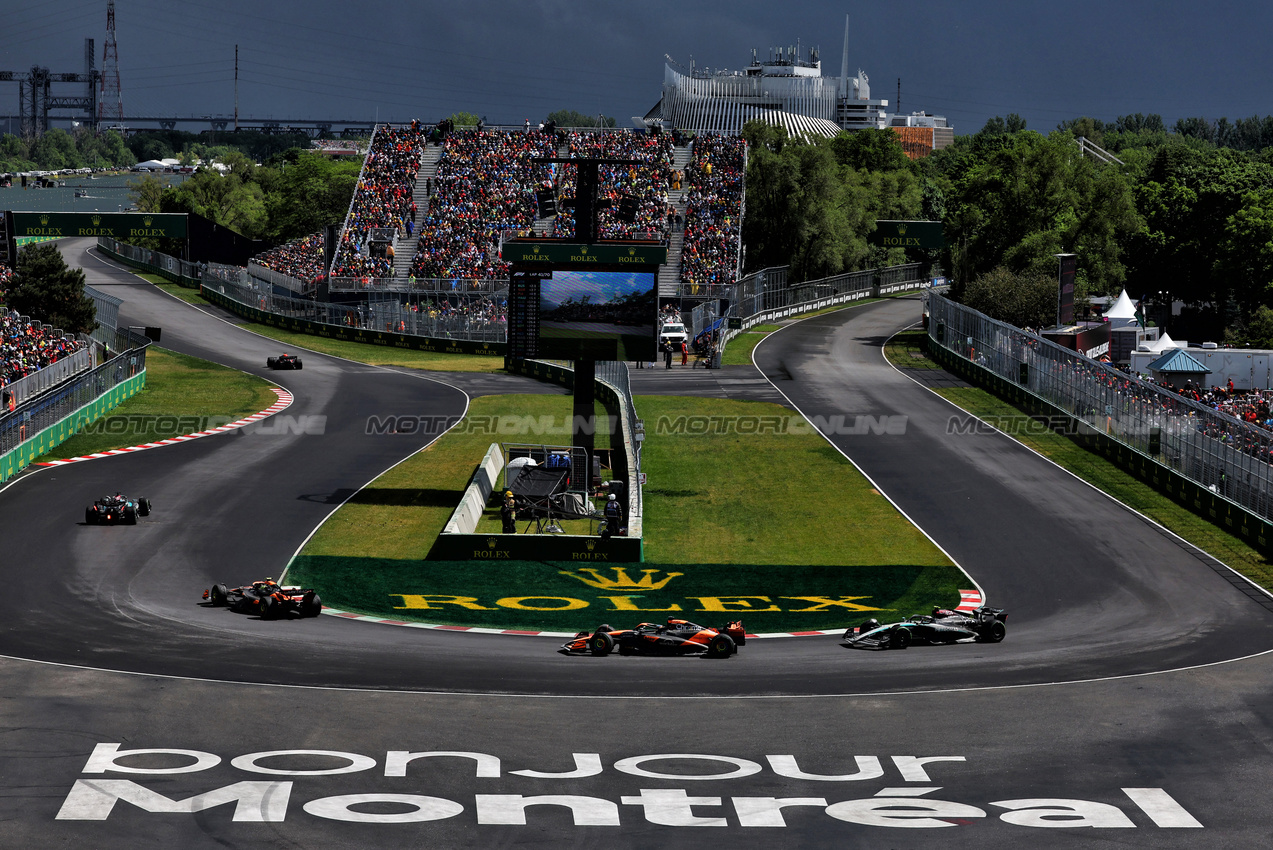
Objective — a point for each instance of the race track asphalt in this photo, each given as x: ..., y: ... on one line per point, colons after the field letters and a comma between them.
x: 104, y: 642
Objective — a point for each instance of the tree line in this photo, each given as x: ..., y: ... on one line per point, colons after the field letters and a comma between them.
x: 82, y: 148
x: 1187, y: 216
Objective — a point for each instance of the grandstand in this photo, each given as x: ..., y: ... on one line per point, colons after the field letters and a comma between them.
x: 27, y: 347
x: 433, y: 206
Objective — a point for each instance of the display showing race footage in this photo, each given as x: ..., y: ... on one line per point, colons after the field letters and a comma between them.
x: 598, y: 315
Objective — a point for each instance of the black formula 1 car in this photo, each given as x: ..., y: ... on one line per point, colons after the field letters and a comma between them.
x: 266, y: 598
x: 116, y: 510
x: 677, y: 637
x: 284, y: 361
x: 983, y: 624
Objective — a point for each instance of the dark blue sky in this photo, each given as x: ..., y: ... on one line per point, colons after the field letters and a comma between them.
x: 509, y: 61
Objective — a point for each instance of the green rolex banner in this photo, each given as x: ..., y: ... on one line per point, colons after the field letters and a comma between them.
x: 124, y: 226
x: 908, y: 234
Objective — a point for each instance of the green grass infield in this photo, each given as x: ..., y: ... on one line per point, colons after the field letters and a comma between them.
x: 759, y: 518
x: 568, y: 597
x: 183, y: 395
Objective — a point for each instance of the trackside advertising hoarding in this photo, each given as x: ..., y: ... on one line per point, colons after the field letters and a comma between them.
x: 908, y: 234
x: 124, y: 226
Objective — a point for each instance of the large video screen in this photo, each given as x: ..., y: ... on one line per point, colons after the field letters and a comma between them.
x: 598, y: 315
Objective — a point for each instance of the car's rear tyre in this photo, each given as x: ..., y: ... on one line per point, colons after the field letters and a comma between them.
x: 600, y: 644
x: 218, y: 594
x: 995, y: 632
x: 90, y: 517
x: 900, y: 639
x: 300, y: 365
x: 270, y: 361
x: 130, y: 516
x: 143, y: 507
x: 311, y: 605
x: 721, y: 646
x: 268, y: 608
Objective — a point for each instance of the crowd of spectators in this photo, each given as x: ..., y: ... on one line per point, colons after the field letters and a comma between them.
x: 647, y: 186
x: 24, y: 349
x: 6, y: 275
x: 484, y: 189
x: 1251, y: 406
x: 384, y: 198
x: 478, y: 313
x: 1130, y: 404
x: 713, y: 212
x: 338, y: 145
x: 300, y: 258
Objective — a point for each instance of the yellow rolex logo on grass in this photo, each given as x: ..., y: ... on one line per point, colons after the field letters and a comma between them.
x: 621, y: 580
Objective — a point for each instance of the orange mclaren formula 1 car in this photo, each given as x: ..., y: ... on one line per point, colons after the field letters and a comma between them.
x: 678, y: 637
x: 266, y: 598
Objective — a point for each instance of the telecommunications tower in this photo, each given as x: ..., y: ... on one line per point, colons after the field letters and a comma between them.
x: 110, y: 106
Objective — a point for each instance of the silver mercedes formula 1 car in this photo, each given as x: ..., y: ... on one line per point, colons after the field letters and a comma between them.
x: 984, y: 624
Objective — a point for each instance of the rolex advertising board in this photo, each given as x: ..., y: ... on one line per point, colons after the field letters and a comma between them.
x: 908, y: 234
x: 124, y: 226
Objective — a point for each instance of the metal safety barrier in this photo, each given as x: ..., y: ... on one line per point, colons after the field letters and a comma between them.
x: 1224, y: 454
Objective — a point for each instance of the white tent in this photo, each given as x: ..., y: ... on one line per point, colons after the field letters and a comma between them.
x: 1122, y: 313
x: 1164, y: 342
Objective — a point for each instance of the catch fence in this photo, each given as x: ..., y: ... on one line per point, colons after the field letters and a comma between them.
x: 1222, y: 453
x: 477, y: 317
x: 764, y: 296
x: 75, y: 392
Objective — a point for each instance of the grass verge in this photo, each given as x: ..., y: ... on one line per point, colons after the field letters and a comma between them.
x: 373, y: 355
x: 182, y: 395
x: 1102, y: 474
x: 376, y: 355
x: 790, y: 563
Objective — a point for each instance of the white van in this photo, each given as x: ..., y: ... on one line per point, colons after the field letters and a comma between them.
x: 673, y: 332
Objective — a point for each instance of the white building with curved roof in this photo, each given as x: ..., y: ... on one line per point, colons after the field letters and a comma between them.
x: 787, y: 89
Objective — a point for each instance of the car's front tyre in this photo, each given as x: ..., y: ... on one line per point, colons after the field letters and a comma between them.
x: 600, y: 644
